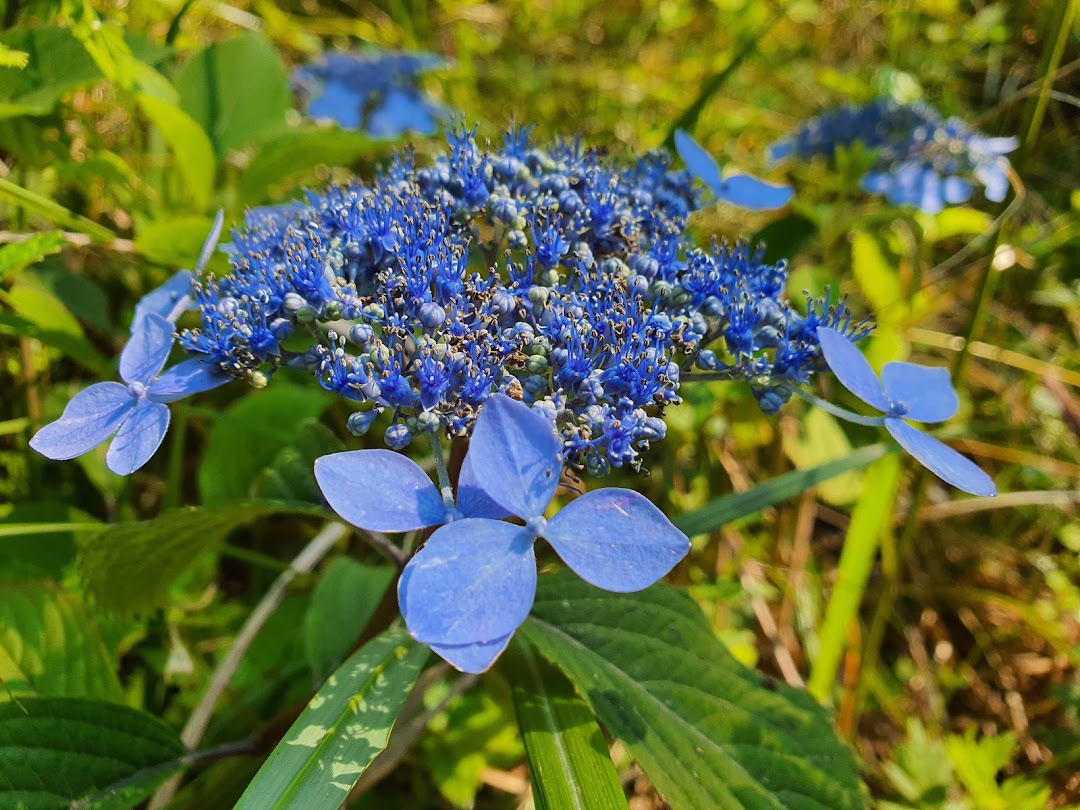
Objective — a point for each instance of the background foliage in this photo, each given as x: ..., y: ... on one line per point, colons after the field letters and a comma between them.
x: 949, y: 648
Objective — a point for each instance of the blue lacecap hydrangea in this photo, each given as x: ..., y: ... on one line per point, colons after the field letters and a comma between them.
x: 374, y: 91
x: 923, y: 159
x: 554, y: 275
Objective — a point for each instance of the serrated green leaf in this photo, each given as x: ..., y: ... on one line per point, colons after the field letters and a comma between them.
x: 246, y: 439
x: 189, y: 144
x: 50, y: 646
x: 279, y: 163
x: 291, y: 477
x: 130, y: 566
x: 709, y: 732
x: 64, y: 753
x: 777, y: 490
x: 237, y: 91
x: 17, y: 256
x: 345, y: 725
x: 568, y: 757
x: 341, y: 607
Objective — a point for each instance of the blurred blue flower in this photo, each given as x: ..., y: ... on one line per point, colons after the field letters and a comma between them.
x: 376, y: 92
x: 134, y: 411
x: 923, y: 159
x: 737, y: 189
x: 907, y: 391
x: 473, y: 583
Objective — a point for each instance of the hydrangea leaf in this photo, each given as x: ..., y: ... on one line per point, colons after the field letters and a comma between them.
x: 138, y: 438
x: 708, y: 731
x: 941, y: 460
x: 147, y: 349
x: 379, y: 490
x: 927, y: 392
x: 186, y: 378
x: 473, y: 581
x: 616, y: 539
x: 92, y: 416
x: 515, y: 456
x: 851, y: 368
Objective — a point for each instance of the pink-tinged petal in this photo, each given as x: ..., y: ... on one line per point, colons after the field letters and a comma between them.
x: 616, y: 539
x: 379, y: 490
x: 472, y: 658
x: 926, y: 392
x: 92, y: 416
x: 147, y: 349
x: 941, y: 460
x: 138, y: 438
x: 186, y: 378
x: 851, y: 368
x: 473, y: 581
x: 515, y: 456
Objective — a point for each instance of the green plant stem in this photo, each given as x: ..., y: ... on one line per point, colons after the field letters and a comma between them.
x: 173, y: 483
x: 1061, y: 28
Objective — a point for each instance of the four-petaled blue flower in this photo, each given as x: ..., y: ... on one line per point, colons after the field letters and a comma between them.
x: 907, y: 391
x: 473, y: 583
x: 134, y: 411
x: 738, y: 189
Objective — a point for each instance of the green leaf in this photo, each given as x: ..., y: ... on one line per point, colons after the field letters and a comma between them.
x: 62, y: 753
x: 50, y: 646
x: 189, y: 144
x: 345, y: 725
x: 247, y: 438
x: 877, y: 278
x: 568, y: 756
x: 872, y: 516
x: 341, y: 607
x: 129, y: 567
x: 278, y: 163
x: 784, y: 237
x: 83, y: 298
x: 820, y: 439
x: 291, y: 477
x: 11, y: 58
x: 709, y: 732
x: 175, y: 241
x: 25, y: 555
x: 738, y: 505
x: 52, y: 211
x: 17, y: 256
x: 58, y: 63
x: 237, y: 91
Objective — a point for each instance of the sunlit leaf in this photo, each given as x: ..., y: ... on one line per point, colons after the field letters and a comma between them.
x: 189, y: 144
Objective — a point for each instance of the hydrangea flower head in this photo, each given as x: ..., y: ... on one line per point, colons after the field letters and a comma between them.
x: 473, y: 583
x: 741, y: 190
x: 376, y: 92
x: 907, y: 391
x: 924, y: 160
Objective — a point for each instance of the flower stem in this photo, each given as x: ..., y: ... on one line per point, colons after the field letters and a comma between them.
x: 836, y: 410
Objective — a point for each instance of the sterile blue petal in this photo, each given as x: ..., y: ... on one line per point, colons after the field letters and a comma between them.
x: 186, y: 378
x: 473, y: 581
x: 515, y: 456
x: 925, y: 391
x: 379, y: 490
x: 756, y: 195
x: 472, y: 501
x: 851, y: 368
x: 616, y: 539
x: 941, y: 460
x: 699, y: 162
x: 147, y: 349
x: 92, y: 416
x: 211, y: 241
x: 472, y: 658
x: 164, y: 299
x: 138, y: 438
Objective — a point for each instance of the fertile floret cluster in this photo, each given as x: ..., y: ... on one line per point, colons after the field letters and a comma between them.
x: 374, y: 91
x: 552, y: 275
x: 924, y: 159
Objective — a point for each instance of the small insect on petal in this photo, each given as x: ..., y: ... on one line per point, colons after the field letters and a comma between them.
x: 379, y: 490
x: 616, y: 539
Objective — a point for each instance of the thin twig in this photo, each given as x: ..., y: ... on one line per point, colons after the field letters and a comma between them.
x: 73, y: 238
x: 195, y: 728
